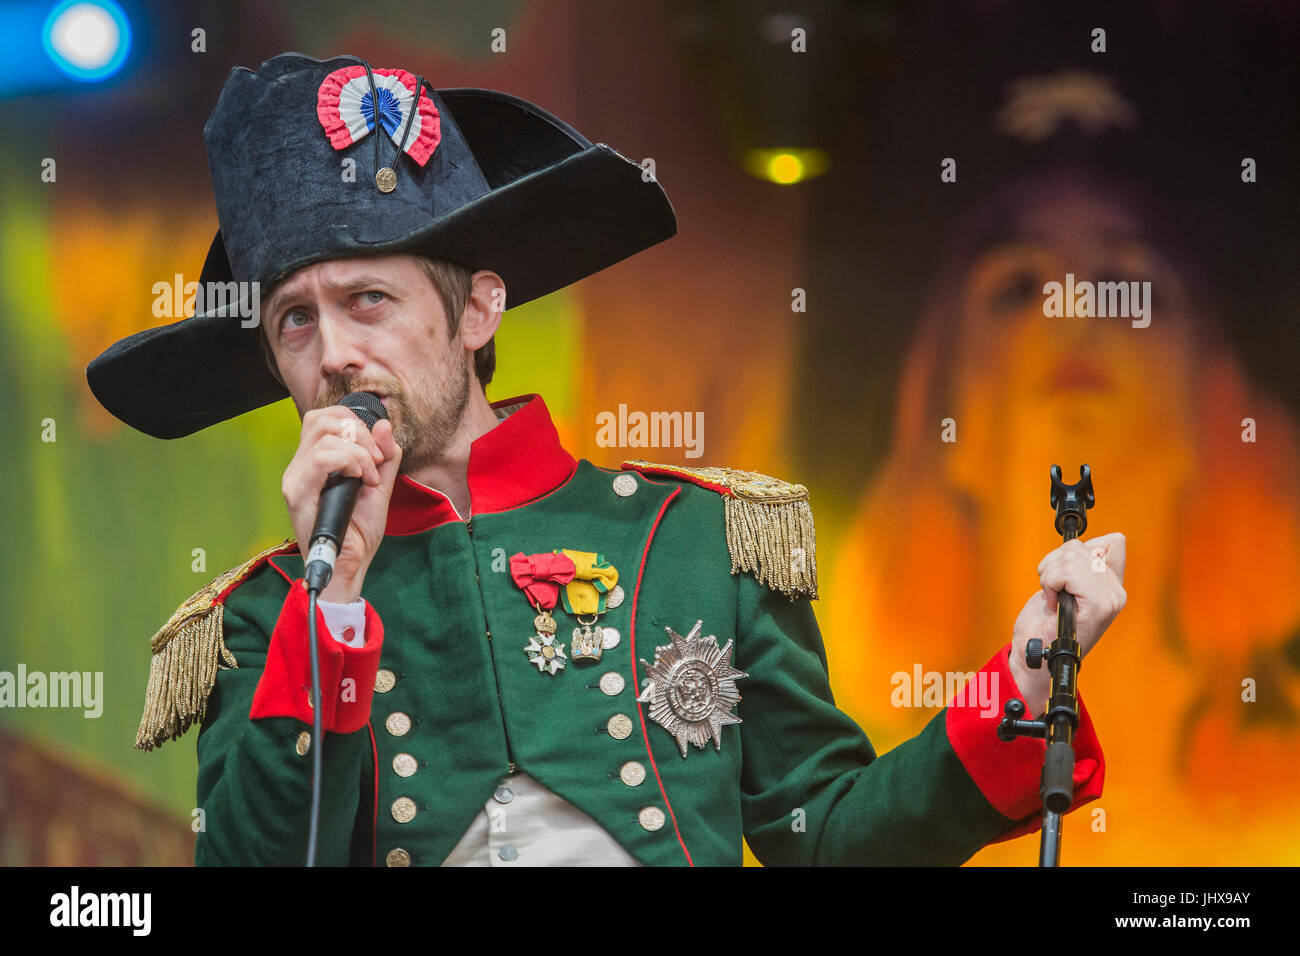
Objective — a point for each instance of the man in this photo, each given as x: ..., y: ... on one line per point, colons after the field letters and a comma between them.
x: 524, y: 659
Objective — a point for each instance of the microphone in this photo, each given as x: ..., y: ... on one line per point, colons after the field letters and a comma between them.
x: 337, y: 499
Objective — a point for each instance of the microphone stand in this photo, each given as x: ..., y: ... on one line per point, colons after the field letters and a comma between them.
x: 1061, y: 719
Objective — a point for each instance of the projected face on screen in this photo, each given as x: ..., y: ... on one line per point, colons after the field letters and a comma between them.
x: 1037, y: 378
x: 994, y: 389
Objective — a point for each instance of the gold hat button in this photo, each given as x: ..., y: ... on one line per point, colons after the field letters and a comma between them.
x: 403, y: 809
x: 398, y: 723
x: 303, y: 744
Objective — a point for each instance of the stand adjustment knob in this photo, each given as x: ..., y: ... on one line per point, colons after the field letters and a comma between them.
x: 1034, y: 653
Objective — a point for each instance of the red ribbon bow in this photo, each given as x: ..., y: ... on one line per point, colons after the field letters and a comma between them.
x: 540, y: 576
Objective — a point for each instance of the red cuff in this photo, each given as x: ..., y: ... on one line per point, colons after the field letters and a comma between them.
x: 347, y: 673
x: 1009, y: 774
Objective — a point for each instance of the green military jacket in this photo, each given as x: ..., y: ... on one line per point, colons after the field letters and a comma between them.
x: 444, y: 679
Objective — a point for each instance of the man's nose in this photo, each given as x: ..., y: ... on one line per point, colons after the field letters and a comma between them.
x: 341, y: 345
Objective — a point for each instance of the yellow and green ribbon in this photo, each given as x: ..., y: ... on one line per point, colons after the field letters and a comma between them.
x: 593, y: 579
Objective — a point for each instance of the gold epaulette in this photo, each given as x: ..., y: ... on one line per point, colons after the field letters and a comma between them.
x: 187, y: 652
x: 770, y: 529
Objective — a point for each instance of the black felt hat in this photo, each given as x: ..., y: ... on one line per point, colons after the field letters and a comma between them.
x: 473, y: 176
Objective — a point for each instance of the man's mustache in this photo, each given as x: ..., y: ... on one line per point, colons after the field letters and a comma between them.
x: 337, y: 393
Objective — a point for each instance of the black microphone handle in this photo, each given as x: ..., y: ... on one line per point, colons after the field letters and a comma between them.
x: 337, y: 501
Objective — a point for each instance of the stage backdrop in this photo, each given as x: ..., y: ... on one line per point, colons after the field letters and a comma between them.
x: 865, y: 315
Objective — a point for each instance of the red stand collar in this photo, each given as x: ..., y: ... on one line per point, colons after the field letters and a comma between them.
x: 519, y: 460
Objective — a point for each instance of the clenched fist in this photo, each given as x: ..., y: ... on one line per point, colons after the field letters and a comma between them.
x: 1093, y: 571
x: 335, y: 439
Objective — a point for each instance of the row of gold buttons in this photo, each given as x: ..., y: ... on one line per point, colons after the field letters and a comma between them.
x: 619, y: 726
x: 404, y: 765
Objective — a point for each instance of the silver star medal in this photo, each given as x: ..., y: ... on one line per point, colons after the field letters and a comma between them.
x: 543, y: 649
x: 692, y: 688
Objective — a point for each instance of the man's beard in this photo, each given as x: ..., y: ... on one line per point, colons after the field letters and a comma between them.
x: 423, y: 435
x: 424, y: 440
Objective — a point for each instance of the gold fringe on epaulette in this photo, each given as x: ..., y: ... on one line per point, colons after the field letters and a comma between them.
x: 188, y: 651
x: 182, y: 672
x: 770, y: 529
x: 776, y: 541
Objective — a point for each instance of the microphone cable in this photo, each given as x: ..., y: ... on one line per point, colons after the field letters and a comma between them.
x: 317, y: 572
x: 317, y: 737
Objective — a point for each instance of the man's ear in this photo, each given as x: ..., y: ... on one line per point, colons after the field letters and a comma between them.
x: 483, y: 308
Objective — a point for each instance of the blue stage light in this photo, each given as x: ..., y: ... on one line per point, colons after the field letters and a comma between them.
x: 87, y: 39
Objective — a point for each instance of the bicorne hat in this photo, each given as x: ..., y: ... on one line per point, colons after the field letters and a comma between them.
x: 301, y: 174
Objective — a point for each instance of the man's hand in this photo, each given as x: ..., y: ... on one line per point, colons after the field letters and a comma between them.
x: 335, y: 439
x: 1093, y: 571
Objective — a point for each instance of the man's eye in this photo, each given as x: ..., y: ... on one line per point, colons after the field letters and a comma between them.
x: 381, y: 296
x: 288, y: 322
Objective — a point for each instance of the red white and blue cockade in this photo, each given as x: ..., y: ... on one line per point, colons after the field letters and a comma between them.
x: 347, y: 115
